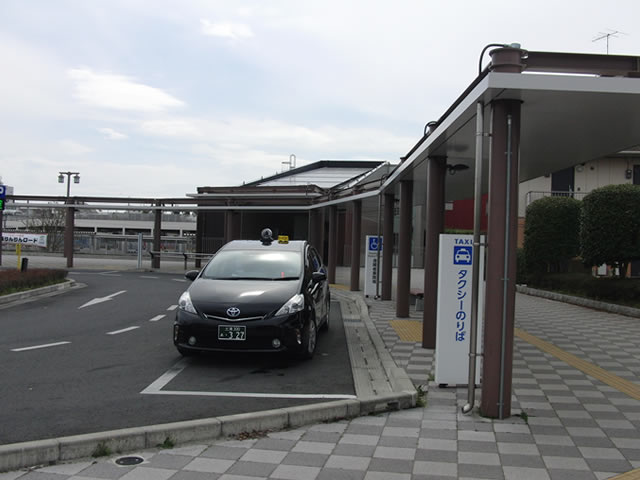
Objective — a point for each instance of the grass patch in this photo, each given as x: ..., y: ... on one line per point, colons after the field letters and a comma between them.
x: 101, y: 450
x: 168, y: 443
x: 421, y: 401
x: 14, y: 281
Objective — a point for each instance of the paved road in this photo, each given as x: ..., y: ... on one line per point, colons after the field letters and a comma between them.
x: 79, y: 362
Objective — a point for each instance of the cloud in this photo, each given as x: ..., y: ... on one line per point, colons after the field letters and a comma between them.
x: 112, y: 134
x: 72, y: 147
x: 233, y: 31
x: 119, y: 92
x: 177, y: 127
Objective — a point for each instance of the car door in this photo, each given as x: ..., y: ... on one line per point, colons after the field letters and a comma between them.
x: 319, y: 289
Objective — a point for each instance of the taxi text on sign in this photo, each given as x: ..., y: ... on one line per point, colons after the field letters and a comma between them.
x: 371, y: 268
x: 453, y: 324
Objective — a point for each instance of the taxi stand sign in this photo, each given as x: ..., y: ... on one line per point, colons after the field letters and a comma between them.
x: 453, y: 321
x: 372, y: 270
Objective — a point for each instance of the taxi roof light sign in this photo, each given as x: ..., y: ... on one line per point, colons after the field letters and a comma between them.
x: 283, y: 238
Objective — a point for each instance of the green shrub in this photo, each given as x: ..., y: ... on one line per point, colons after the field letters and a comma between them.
x: 12, y: 281
x: 606, y: 289
x: 551, y: 234
x: 610, y: 226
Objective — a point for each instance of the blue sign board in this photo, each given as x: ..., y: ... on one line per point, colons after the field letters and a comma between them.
x: 374, y: 244
x: 3, y: 191
x: 462, y: 255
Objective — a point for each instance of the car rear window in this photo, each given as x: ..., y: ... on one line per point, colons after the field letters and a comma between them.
x: 254, y: 265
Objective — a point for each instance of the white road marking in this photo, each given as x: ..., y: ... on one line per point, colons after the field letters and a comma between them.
x: 156, y: 389
x: 172, y: 308
x: 156, y: 318
x: 35, y: 347
x: 147, y: 276
x: 128, y: 329
x: 95, y: 301
x: 182, y: 280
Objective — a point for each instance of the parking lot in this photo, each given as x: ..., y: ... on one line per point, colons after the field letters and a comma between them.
x: 100, y: 357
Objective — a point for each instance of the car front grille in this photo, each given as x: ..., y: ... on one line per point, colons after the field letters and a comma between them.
x: 227, y: 319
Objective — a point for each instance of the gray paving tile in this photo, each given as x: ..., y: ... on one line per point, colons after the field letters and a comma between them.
x: 340, y: 474
x: 294, y: 472
x: 305, y: 459
x: 251, y: 469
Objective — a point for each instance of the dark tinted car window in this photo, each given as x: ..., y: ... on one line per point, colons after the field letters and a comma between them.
x: 254, y: 264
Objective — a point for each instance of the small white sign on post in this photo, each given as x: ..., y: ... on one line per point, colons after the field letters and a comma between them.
x: 32, y: 239
x: 453, y: 323
x: 371, y: 268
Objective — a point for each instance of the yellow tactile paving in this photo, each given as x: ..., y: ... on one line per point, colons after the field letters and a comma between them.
x: 632, y: 475
x: 620, y: 384
x: 408, y: 330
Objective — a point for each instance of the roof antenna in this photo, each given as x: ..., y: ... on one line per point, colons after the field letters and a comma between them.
x: 291, y: 162
x: 606, y: 35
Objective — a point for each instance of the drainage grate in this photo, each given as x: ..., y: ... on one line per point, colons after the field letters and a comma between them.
x: 126, y: 461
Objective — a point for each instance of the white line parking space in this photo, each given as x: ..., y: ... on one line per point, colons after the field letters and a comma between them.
x: 128, y: 329
x: 156, y: 388
x: 36, y: 347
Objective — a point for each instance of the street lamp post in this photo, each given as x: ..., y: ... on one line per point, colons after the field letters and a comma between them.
x: 76, y: 179
x: 69, y: 222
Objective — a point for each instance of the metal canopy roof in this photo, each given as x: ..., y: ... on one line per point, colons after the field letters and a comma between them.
x: 565, y: 120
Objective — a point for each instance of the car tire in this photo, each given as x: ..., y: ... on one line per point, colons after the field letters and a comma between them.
x: 325, y: 325
x: 309, y: 340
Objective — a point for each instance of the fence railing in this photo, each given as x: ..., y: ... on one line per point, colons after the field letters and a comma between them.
x: 532, y: 196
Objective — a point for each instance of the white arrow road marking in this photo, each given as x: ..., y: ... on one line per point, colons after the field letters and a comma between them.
x: 156, y: 318
x: 172, y: 308
x: 95, y: 301
x: 128, y: 329
x: 156, y: 388
x: 35, y: 347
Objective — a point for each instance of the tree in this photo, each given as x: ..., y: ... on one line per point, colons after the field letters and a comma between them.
x: 610, y: 226
x: 50, y: 221
x: 551, y: 234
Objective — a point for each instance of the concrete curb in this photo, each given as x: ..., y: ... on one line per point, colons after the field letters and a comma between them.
x: 583, y: 302
x: 36, y: 292
x: 51, y: 451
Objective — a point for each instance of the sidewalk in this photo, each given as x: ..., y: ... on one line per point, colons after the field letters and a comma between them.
x: 576, y: 386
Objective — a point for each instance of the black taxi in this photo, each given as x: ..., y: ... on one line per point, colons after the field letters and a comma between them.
x: 255, y: 295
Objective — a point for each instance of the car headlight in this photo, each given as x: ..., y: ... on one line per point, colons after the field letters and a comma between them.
x: 293, y: 305
x: 185, y: 303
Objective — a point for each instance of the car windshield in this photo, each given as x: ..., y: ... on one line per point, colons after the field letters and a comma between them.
x: 254, y: 265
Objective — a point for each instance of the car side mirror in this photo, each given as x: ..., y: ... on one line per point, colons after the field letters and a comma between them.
x: 318, y: 277
x: 192, y: 274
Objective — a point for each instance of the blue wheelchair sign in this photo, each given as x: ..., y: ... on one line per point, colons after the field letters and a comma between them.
x: 374, y: 244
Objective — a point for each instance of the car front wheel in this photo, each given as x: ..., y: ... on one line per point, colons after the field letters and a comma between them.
x: 309, y: 338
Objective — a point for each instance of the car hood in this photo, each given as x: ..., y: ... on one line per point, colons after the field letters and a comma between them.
x: 252, y: 298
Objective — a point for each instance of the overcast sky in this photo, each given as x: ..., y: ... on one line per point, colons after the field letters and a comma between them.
x: 155, y: 98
